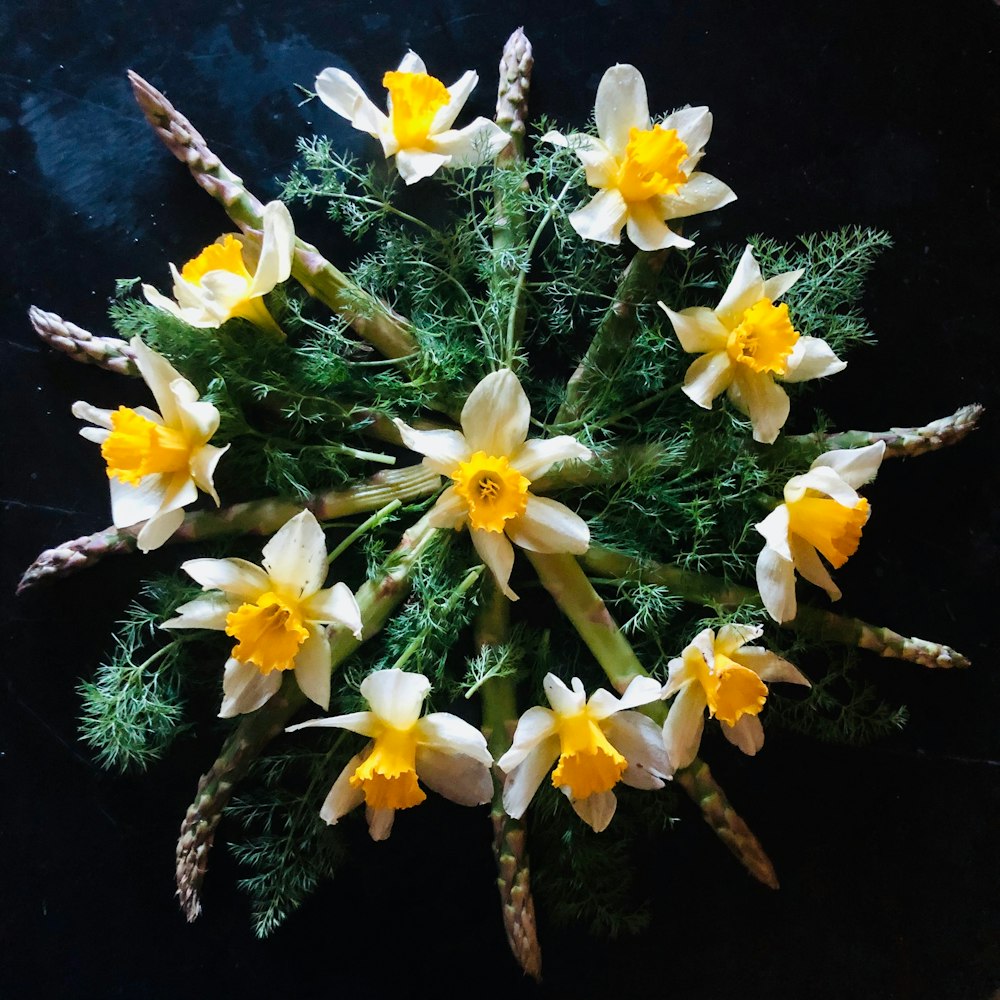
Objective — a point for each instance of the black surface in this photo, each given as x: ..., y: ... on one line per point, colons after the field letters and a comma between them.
x: 825, y: 114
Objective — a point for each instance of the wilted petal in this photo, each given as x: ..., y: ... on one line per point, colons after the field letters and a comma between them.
x: 448, y: 733
x: 343, y: 798
x: 549, y: 526
x: 295, y: 557
x: 621, y: 105
x: 747, y: 734
x: 596, y: 810
x: 822, y: 479
x: 640, y: 741
x: 363, y: 723
x: 602, y: 218
x: 523, y: 780
x: 496, y: 415
x: 277, y: 247
x: 455, y: 776
x: 395, y: 696
x: 245, y: 688
x: 640, y: 691
x: 811, y: 568
x: 313, y: 668
x: 731, y: 637
x: 564, y: 700
x: 684, y: 725
x: 534, y: 726
x: 776, y: 584
x: 380, y: 822
x: 769, y: 666
x: 856, y: 466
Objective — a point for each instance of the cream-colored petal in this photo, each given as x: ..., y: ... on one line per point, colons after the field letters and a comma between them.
x: 523, y: 780
x: 93, y: 414
x: 693, y: 125
x: 776, y: 286
x: 564, y: 700
x: 131, y: 504
x: 363, y: 723
x: 621, y: 104
x: 343, y: 797
x: 810, y: 567
x: 747, y: 734
x: 534, y: 726
x: 766, y: 403
x: 596, y: 810
x: 745, y: 288
x: 678, y: 674
x: 822, y: 479
x: 341, y: 94
x: 458, y: 778
x: 96, y: 434
x: 684, y: 724
x: 640, y: 691
x: 238, y: 577
x: 498, y: 555
x: 396, y: 696
x: 448, y: 734
x: 698, y: 329
x: 549, y: 526
x: 475, y: 144
x: 707, y: 377
x: 458, y: 94
x: 277, y: 248
x: 534, y: 458
x: 640, y: 741
x: 209, y: 611
x: 335, y: 605
x: 412, y: 63
x: 295, y: 556
x: 731, y: 637
x: 602, y: 218
x: 496, y: 415
x: 812, y: 358
x: 774, y: 528
x: 776, y: 584
x: 450, y: 511
x: 380, y: 822
x: 245, y: 688
x: 158, y: 374
x: 312, y: 666
x: 855, y: 466
x: 203, y: 465
x: 442, y: 449
x: 769, y: 667
x: 647, y: 230
x: 158, y: 529
x: 199, y: 420
x: 599, y: 163
x: 701, y: 193
x: 416, y: 164
x: 156, y: 298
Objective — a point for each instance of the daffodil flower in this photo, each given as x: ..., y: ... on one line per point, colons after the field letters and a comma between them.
x: 645, y: 173
x: 277, y: 614
x: 492, y: 465
x: 745, y: 343
x: 157, y: 462
x: 597, y: 742
x: 445, y: 753
x: 822, y: 515
x: 216, y: 285
x: 417, y: 130
x: 725, y: 675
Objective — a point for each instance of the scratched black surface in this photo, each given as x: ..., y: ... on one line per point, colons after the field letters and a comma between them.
x: 881, y: 113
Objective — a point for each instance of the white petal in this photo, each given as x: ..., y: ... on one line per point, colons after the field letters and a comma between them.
x: 745, y: 288
x: 769, y: 666
x: 731, y: 637
x: 341, y: 94
x: 701, y: 193
x: 534, y: 726
x: 363, y: 723
x: 564, y: 700
x: 698, y: 329
x: 708, y: 376
x: 277, y: 247
x: 549, y: 526
x: 809, y: 565
x: 312, y: 666
x: 765, y: 401
x: 776, y: 286
x: 640, y: 691
x: 416, y: 164
x: 158, y: 529
x: 412, y: 63
x: 442, y: 449
x: 537, y: 456
x: 238, y: 577
x: 449, y: 734
x: 596, y: 810
x: 856, y: 466
x: 203, y: 464
x: 498, y: 555
x: 471, y: 146
x: 343, y: 798
x: 693, y: 125
x: 132, y: 504
x: 209, y: 611
x: 455, y: 776
x: 157, y: 373
x: 92, y: 414
x: 156, y: 298
x: 522, y: 782
x: 647, y: 230
x: 822, y: 479
x: 599, y: 163
x: 295, y: 557
x: 812, y: 358
x: 336, y: 605
x: 640, y: 741
x: 395, y: 696
x: 495, y: 417
x: 458, y: 94
x: 602, y: 218
x: 450, y: 511
x: 774, y: 528
x: 621, y: 105
x: 747, y: 734
x: 683, y: 726
x: 776, y: 583
x: 380, y: 822
x: 245, y: 688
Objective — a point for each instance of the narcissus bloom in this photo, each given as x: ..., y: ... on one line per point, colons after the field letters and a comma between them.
x: 822, y: 515
x: 645, y: 173
x: 157, y: 462
x: 725, y: 675
x: 597, y: 743
x: 445, y: 753
x: 277, y: 614
x: 492, y: 466
x: 216, y: 285
x: 745, y: 343
x: 417, y: 129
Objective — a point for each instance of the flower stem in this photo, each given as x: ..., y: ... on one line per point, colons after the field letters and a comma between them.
x: 258, y: 517
x: 110, y: 353
x: 376, y: 519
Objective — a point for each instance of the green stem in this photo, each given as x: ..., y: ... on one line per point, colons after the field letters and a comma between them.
x: 376, y: 519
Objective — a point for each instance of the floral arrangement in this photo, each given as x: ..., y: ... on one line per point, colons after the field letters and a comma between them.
x: 602, y: 419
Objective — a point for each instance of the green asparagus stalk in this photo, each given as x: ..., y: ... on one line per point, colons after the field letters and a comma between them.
x: 258, y: 517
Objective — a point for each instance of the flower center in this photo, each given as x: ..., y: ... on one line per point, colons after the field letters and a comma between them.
x: 588, y: 763
x: 268, y: 632
x: 833, y: 529
x: 491, y: 489
x: 224, y: 256
x: 733, y: 691
x: 388, y: 776
x: 764, y: 338
x: 415, y: 99
x: 138, y: 447
x: 652, y: 164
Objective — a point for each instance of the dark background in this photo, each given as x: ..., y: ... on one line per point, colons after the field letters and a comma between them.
x: 882, y: 114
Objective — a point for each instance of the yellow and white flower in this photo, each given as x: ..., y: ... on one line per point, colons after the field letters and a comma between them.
x: 645, y: 173
x: 597, y: 742
x: 417, y: 130
x: 822, y: 515
x: 157, y: 462
x: 746, y: 342
x: 277, y: 614
x: 725, y: 675
x: 216, y: 285
x: 492, y: 465
x: 445, y: 753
